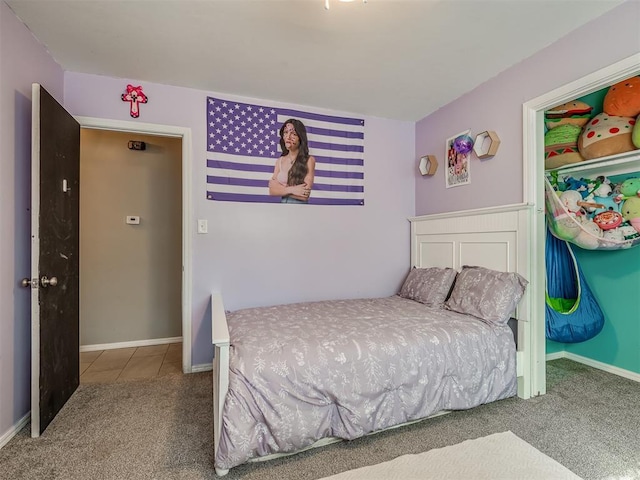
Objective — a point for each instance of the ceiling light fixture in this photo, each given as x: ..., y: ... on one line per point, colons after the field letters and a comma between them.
x: 326, y: 2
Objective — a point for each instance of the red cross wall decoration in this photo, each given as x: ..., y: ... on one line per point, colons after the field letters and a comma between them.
x: 134, y: 96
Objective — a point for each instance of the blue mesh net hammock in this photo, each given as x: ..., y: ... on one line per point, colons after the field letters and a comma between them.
x: 572, y: 312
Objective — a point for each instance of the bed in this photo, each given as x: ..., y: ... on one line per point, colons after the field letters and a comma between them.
x: 291, y: 377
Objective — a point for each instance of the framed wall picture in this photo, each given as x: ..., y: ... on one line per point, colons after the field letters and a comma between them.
x: 458, y: 155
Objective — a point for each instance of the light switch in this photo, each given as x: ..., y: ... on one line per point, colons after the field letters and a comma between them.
x: 202, y: 226
x: 133, y: 220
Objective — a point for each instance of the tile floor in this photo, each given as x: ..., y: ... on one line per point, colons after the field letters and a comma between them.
x: 107, y: 366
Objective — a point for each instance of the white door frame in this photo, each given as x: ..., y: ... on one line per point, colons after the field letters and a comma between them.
x: 185, y: 135
x: 533, y: 184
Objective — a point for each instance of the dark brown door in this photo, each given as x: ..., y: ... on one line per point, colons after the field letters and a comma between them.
x: 55, y: 353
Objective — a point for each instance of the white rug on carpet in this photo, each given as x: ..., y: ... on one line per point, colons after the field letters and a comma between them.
x: 498, y: 456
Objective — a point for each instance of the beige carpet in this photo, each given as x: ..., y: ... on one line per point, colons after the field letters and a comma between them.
x: 498, y: 456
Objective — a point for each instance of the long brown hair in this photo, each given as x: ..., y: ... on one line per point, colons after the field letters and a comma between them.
x: 299, y: 169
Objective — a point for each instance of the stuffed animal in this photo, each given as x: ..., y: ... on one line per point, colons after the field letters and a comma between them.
x: 579, y: 185
x: 613, y: 235
x: 606, y: 135
x: 574, y: 113
x: 561, y: 146
x: 631, y: 211
x: 589, y: 236
x: 628, y: 232
x: 608, y: 220
x: 602, y: 198
x: 570, y: 199
x: 604, y: 204
x: 635, y: 134
x: 630, y: 188
x: 623, y: 98
x: 565, y: 227
x: 602, y: 187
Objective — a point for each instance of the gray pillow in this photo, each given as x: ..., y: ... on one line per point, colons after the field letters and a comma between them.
x: 486, y: 294
x: 430, y: 286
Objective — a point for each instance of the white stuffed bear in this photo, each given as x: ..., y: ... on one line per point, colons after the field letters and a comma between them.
x: 590, y: 235
x: 571, y: 199
x: 614, y: 235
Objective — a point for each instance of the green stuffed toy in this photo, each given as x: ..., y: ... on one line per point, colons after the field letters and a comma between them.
x: 630, y: 193
x: 561, y: 146
x: 630, y: 187
x: 631, y: 212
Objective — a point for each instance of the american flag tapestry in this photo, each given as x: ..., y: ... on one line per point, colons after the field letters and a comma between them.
x: 243, y: 145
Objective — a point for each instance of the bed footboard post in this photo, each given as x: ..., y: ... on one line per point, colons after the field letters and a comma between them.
x: 220, y: 339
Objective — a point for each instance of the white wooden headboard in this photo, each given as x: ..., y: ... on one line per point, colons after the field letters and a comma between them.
x: 496, y: 238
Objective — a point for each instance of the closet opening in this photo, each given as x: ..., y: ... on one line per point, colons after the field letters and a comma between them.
x: 534, y: 187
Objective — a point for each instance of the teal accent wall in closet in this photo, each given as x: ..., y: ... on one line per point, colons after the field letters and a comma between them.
x: 614, y: 278
x: 554, y: 347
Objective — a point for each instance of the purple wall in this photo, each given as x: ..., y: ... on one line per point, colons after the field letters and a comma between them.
x: 261, y: 254
x: 497, y: 105
x: 22, y: 61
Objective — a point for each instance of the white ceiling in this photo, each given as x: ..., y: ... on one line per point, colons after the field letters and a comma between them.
x: 391, y: 59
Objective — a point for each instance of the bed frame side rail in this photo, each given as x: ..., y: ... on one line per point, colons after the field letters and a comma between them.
x: 220, y: 340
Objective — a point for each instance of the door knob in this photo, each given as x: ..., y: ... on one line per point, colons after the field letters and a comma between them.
x: 46, y: 281
x: 26, y: 283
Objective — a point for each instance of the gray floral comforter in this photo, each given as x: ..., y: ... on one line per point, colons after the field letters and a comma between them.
x: 345, y: 368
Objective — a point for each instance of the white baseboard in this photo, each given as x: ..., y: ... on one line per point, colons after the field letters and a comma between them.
x: 135, y: 343
x: 555, y: 356
x: 621, y: 372
x: 204, y: 367
x: 13, y: 431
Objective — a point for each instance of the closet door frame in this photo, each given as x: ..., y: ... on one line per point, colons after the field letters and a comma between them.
x: 533, y: 189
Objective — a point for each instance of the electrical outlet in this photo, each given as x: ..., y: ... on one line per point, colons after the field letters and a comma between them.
x: 202, y: 226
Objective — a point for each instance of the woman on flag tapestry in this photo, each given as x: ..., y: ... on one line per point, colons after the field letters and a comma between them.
x: 294, y: 170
